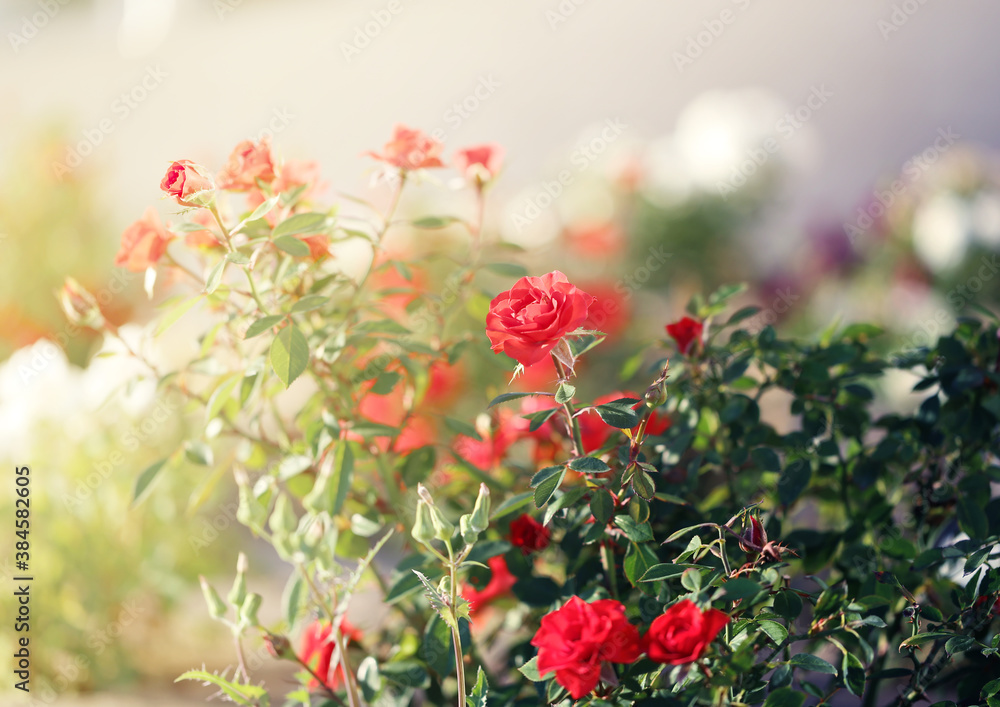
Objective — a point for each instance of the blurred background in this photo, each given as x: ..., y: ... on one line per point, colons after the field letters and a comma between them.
x: 840, y: 158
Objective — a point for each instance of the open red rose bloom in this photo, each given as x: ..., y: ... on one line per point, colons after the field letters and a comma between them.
x: 574, y: 640
x: 682, y: 633
x: 527, y: 321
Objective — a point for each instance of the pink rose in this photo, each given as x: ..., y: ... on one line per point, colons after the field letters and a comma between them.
x: 249, y: 162
x: 144, y: 242
x: 479, y: 163
x: 410, y: 149
x: 185, y: 181
x: 527, y: 321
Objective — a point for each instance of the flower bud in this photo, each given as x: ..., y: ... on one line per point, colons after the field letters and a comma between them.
x: 216, y: 607
x: 443, y: 528
x: 279, y: 647
x: 79, y: 305
x: 283, y: 520
x: 480, y: 519
x: 249, y: 608
x: 755, y: 534
x: 250, y: 512
x: 239, y: 591
x: 656, y: 393
x: 423, y: 529
x: 469, y: 534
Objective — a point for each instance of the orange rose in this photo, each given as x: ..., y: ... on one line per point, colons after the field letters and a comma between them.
x: 410, y: 149
x: 144, y: 242
x: 249, y: 162
x: 188, y: 183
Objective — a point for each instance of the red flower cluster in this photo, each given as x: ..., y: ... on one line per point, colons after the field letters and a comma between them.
x: 574, y: 640
x: 528, y: 320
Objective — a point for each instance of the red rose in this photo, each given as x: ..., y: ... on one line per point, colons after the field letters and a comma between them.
x: 184, y: 180
x: 144, y: 242
x: 527, y: 321
x: 317, y: 651
x: 248, y: 162
x: 528, y: 534
x: 682, y: 633
x: 410, y: 149
x: 574, y: 640
x: 480, y: 163
x: 685, y: 332
x: 499, y: 585
x: 753, y: 533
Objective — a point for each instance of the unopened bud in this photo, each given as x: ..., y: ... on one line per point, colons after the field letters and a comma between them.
x: 480, y: 519
x: 656, y: 393
x: 755, y: 535
x: 79, y: 305
x: 249, y: 608
x: 283, y: 518
x: 216, y: 607
x: 250, y: 512
x: 469, y: 534
x: 423, y: 529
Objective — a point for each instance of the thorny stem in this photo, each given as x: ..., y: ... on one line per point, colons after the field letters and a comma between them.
x: 570, y: 411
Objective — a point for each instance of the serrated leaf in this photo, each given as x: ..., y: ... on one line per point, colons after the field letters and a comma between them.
x: 785, y: 697
x: 565, y: 393
x: 309, y: 223
x: 480, y: 691
x: 289, y: 354
x: 619, y: 413
x: 588, y: 465
x: 545, y: 483
x: 292, y: 245
x: 310, y: 302
x: 925, y: 637
x: 512, y: 504
x: 506, y: 397
x: 741, y: 588
x: 805, y: 661
x: 636, y: 532
x: 775, y: 631
x: 237, y: 692
x: 262, y: 210
x: 238, y: 258
x: 530, y: 670
x: 215, y: 276
x: 262, y: 325
x: 602, y: 506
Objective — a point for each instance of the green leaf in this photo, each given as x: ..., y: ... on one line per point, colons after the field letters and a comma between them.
x: 477, y: 698
x: 619, y: 413
x: 636, y: 532
x: 292, y: 245
x: 262, y: 325
x: 172, y: 315
x: 959, y: 644
x: 406, y: 673
x: 220, y: 397
x: 463, y: 428
x: 369, y: 679
x: 765, y: 459
x: 262, y: 210
x: 144, y: 480
x: 530, y: 670
x: 925, y: 637
x: 785, y: 697
x: 505, y: 397
x: 788, y: 604
x: 341, y: 475
x: 289, y: 354
x: 565, y: 393
x: 309, y: 223
x: 435, y: 221
x: 602, y: 506
x: 507, y: 269
x: 660, y: 572
x: 775, y: 631
x: 310, y: 302
x: 215, y: 276
x: 589, y: 465
x: 545, y: 483
x: 741, y: 588
x: 639, y: 558
x: 292, y: 598
x: 238, y: 258
x: 237, y: 692
x: 805, y: 661
x: 512, y: 504
x: 385, y: 382
x: 741, y: 314
x: 854, y: 674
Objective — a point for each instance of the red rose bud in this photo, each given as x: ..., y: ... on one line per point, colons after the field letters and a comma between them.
x: 687, y: 333
x: 682, y: 634
x: 528, y: 534
x: 480, y: 163
x: 189, y: 184
x: 530, y: 319
x: 755, y: 534
x: 575, y: 640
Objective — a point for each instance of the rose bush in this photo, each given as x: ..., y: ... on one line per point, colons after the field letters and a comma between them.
x: 753, y: 528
